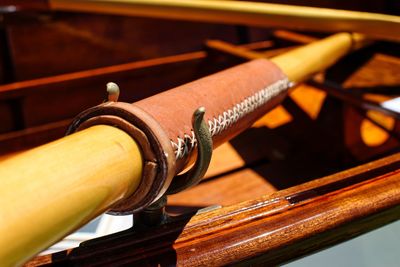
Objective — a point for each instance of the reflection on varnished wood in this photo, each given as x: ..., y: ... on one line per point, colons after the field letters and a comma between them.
x: 312, y: 134
x: 271, y: 229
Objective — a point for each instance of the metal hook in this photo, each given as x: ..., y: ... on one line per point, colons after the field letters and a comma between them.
x: 155, y: 214
x: 113, y: 92
x: 204, y: 152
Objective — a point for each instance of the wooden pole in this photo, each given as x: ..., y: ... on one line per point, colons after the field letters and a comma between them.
x: 301, y: 63
x: 247, y: 13
x: 52, y: 190
x: 268, y: 231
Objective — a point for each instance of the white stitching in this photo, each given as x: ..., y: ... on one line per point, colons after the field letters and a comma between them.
x: 185, y: 145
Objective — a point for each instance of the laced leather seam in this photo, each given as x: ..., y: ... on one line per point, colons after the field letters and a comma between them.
x: 184, y: 145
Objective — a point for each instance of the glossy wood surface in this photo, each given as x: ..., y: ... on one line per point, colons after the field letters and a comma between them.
x: 300, y: 64
x: 54, y: 189
x: 247, y: 13
x: 270, y: 230
x: 39, y: 239
x: 311, y: 135
x: 62, y: 40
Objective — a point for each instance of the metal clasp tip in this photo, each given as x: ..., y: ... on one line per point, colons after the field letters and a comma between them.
x: 112, y: 91
x: 204, y: 153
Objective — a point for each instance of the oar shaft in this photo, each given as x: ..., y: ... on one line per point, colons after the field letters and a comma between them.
x: 52, y: 190
x: 300, y: 63
x: 246, y: 13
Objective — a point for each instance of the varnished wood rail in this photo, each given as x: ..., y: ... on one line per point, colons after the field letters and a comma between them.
x: 246, y: 13
x: 269, y: 230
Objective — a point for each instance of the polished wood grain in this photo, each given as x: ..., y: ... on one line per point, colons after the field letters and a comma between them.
x: 62, y: 40
x: 299, y: 65
x: 265, y: 172
x: 54, y: 189
x: 247, y: 13
x: 269, y: 230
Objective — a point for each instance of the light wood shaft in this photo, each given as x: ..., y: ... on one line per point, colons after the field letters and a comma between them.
x: 50, y: 191
x: 246, y: 13
x: 301, y: 63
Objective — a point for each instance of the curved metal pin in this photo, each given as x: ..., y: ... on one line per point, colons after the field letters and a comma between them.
x: 204, y: 152
x: 112, y: 91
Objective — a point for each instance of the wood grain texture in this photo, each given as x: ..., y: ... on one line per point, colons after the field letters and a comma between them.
x: 241, y: 159
x: 52, y: 190
x: 60, y: 97
x: 58, y: 41
x: 226, y: 190
x: 247, y: 13
x: 299, y: 64
x: 269, y: 230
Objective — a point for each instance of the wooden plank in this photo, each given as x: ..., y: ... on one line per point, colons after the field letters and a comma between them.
x: 48, y: 101
x: 61, y: 97
x: 269, y: 230
x: 66, y: 43
x: 32, y: 137
x: 239, y: 186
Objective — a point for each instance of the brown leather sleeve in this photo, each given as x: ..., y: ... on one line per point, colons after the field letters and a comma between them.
x: 161, y: 124
x: 233, y: 100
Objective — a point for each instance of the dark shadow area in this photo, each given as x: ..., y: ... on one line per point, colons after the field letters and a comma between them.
x: 354, y: 98
x: 388, y: 48
x: 301, y: 150
x: 296, y: 151
x: 391, y: 90
x: 174, y: 210
x: 151, y: 246
x: 305, y: 149
x: 7, y: 74
x: 348, y: 65
x: 334, y: 186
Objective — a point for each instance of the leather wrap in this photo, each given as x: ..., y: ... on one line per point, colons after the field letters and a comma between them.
x: 217, y: 93
x: 161, y: 124
x: 158, y: 155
